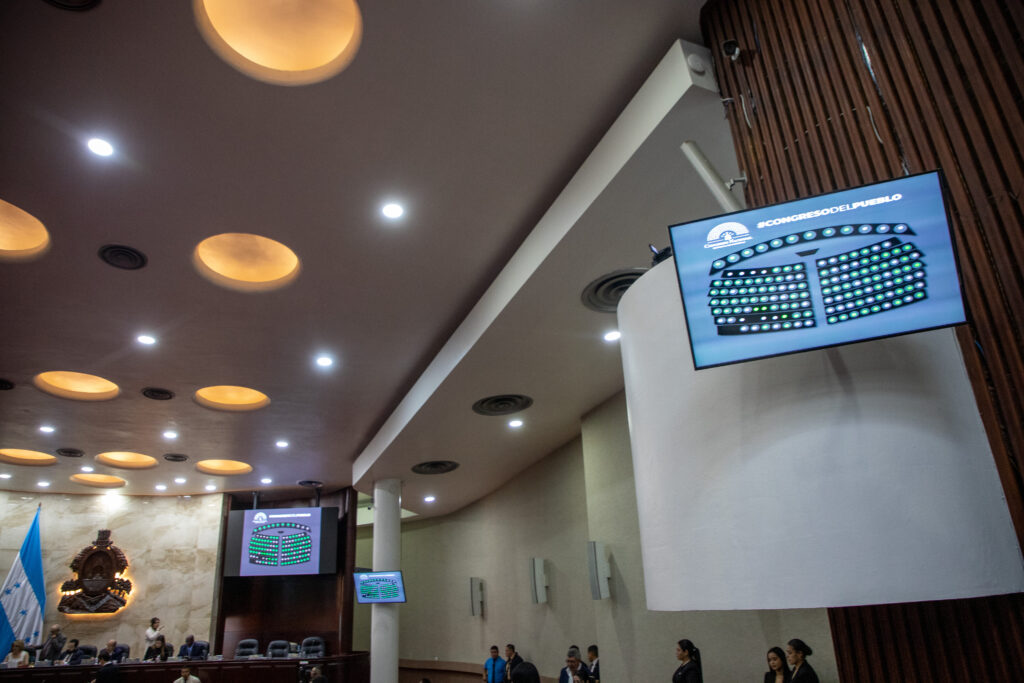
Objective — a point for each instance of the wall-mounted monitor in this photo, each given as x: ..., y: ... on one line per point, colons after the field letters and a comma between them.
x: 377, y: 587
x: 860, y: 264
x: 282, y: 542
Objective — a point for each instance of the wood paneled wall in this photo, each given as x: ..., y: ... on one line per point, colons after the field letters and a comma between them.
x: 831, y: 94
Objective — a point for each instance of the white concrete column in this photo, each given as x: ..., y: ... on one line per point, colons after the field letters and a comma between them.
x: 387, y: 556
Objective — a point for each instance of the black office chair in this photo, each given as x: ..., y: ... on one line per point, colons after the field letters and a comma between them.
x: 88, y: 651
x: 201, y: 651
x: 247, y: 648
x: 313, y: 647
x: 278, y: 649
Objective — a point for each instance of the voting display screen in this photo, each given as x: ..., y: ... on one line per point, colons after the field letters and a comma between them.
x: 379, y: 587
x: 870, y: 262
x: 281, y: 542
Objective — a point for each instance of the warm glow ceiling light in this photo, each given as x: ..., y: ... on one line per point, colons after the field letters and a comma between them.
x: 76, y: 385
x: 245, y: 262
x: 127, y: 460
x: 287, y: 42
x: 223, y: 467
x: 22, y: 235
x: 228, y: 397
x: 21, y: 456
x: 99, y: 481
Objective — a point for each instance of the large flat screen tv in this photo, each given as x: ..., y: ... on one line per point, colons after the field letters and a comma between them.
x: 866, y: 263
x: 372, y: 587
x: 282, y: 542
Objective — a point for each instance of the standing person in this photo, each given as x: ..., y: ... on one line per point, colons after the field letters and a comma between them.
x: 73, y: 654
x: 152, y: 632
x: 777, y: 672
x: 575, y: 671
x: 494, y: 667
x: 186, y: 676
x: 51, y: 647
x: 18, y: 656
x: 593, y: 663
x: 690, y: 670
x: 797, y: 652
x: 512, y: 660
x: 526, y: 673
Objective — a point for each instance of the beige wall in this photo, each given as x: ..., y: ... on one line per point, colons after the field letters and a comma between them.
x: 171, y: 546
x: 583, y: 491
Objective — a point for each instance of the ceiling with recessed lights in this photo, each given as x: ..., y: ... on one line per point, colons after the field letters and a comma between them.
x: 270, y: 271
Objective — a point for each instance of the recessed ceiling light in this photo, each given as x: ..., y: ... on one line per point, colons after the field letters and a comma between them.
x: 282, y: 444
x: 515, y: 424
x: 76, y: 385
x: 44, y: 484
x: 47, y: 429
x: 22, y: 236
x: 231, y: 398
x: 266, y: 480
x: 179, y: 480
x: 324, y: 361
x: 5, y: 476
x: 392, y: 210
x: 146, y: 339
x: 161, y: 487
x: 100, y: 147
x: 170, y: 435
x: 429, y: 499
x: 99, y: 481
x: 246, y: 262
x: 210, y: 487
x: 86, y: 468
x: 614, y: 335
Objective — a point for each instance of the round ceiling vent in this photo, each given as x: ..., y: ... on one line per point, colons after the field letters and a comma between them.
x: 74, y: 5
x: 311, y: 483
x: 158, y: 394
x: 175, y: 457
x: 6, y: 385
x: 70, y: 452
x: 435, y: 467
x: 123, y: 257
x: 503, y: 404
x: 603, y: 294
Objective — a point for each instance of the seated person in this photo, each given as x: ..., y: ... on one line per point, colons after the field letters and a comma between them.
x: 18, y: 656
x: 108, y: 672
x: 186, y: 676
x: 316, y: 675
x: 73, y: 654
x: 190, y: 650
x: 159, y: 651
x: 115, y: 653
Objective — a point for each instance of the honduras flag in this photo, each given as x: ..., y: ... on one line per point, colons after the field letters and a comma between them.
x: 23, y: 597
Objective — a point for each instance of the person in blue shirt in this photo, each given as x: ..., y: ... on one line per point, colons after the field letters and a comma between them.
x: 494, y: 668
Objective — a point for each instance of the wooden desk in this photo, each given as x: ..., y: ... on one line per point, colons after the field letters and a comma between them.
x: 348, y: 668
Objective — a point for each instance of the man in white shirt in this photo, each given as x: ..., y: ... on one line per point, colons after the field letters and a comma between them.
x: 186, y: 676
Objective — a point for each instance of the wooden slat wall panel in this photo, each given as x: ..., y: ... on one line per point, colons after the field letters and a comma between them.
x: 944, y: 89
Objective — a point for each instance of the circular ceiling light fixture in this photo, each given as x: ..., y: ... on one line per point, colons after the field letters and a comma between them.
x: 283, y: 43
x: 170, y: 435
x: 127, y: 460
x: 429, y: 499
x: 266, y: 480
x: 282, y: 444
x: 99, y: 481
x: 161, y: 487
x: 515, y: 424
x: 43, y: 484
x: 22, y: 236
x: 392, y: 210
x: 86, y: 468
x: 47, y: 429
x: 146, y: 339
x: 224, y: 468
x: 324, y: 361
x: 5, y: 475
x: 612, y: 336
x: 77, y: 386
x: 210, y: 487
x: 100, y: 147
x: 21, y: 456
x: 233, y: 398
x: 245, y: 262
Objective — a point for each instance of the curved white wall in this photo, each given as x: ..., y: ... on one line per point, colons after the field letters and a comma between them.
x: 856, y: 475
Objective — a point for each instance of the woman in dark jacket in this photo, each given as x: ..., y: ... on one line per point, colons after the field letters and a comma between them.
x: 777, y: 672
x: 797, y: 653
x: 690, y: 670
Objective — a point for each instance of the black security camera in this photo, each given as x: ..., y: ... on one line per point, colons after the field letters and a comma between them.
x: 731, y: 49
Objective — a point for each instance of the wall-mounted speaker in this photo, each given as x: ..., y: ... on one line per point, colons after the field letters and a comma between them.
x: 538, y: 580
x: 476, y: 596
x: 600, y: 571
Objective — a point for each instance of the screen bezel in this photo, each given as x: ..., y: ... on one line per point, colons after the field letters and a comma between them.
x: 943, y: 192
x: 401, y: 581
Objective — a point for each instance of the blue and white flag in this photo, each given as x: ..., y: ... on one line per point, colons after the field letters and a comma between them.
x: 23, y: 597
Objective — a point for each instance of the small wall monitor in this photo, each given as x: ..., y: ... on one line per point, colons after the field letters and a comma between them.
x: 372, y: 587
x: 860, y: 264
x: 282, y: 542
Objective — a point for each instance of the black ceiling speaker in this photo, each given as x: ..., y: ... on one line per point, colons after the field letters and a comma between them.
x: 120, y: 256
x: 158, y: 393
x: 502, y: 404
x: 6, y: 385
x: 175, y: 457
x: 435, y: 467
x: 70, y: 452
x: 74, y: 5
x: 603, y: 293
